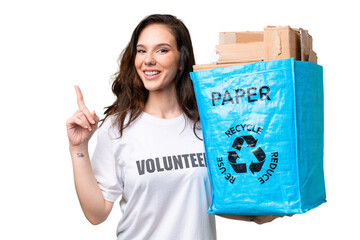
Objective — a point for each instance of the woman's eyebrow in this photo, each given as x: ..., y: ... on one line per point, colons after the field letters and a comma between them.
x: 157, y: 45
x: 163, y: 44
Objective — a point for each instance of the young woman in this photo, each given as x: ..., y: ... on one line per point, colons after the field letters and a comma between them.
x: 149, y: 148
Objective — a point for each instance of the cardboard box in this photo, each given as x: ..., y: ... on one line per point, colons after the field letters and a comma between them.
x: 281, y: 43
x: 201, y: 67
x: 274, y: 43
x: 240, y: 37
x: 240, y: 52
x: 307, y: 53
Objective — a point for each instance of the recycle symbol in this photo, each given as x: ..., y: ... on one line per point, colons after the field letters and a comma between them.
x: 258, y: 153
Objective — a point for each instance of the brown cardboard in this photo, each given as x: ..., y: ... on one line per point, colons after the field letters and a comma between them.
x: 241, y: 52
x: 240, y: 37
x: 281, y: 43
x: 307, y: 53
x: 305, y: 44
x: 227, y: 38
x: 201, y: 67
x: 273, y: 43
x: 313, y: 57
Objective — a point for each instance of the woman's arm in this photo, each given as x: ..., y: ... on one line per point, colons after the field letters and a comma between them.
x: 92, y: 202
x: 80, y: 128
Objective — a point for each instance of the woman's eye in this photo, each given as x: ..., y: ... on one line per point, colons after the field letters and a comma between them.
x: 163, y: 50
x: 141, y: 51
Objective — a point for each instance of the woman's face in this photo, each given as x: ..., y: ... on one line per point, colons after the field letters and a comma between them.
x: 157, y: 58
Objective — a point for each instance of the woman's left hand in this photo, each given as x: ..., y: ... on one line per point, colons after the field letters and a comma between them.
x: 260, y: 219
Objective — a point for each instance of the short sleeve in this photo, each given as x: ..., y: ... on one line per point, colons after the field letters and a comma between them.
x: 105, y: 166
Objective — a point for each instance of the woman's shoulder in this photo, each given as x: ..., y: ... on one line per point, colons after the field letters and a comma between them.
x: 109, y: 126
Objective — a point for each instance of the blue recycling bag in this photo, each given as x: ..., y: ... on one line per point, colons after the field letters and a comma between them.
x: 263, y: 128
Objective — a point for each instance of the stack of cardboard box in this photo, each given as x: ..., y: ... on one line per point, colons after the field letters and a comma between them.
x: 273, y: 43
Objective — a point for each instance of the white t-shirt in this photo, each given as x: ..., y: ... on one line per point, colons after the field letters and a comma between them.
x: 158, y: 166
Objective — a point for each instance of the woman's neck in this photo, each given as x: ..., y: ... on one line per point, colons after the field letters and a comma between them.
x: 163, y: 104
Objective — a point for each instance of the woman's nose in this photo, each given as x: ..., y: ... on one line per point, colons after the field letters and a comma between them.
x: 150, y: 60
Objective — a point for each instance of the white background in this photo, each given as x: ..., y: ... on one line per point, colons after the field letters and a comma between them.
x: 46, y: 47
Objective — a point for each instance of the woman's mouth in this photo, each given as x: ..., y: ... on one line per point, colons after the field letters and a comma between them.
x: 151, y: 74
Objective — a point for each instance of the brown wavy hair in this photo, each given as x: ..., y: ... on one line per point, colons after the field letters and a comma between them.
x: 131, y: 95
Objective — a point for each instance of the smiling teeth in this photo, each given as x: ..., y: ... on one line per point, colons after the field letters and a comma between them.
x: 152, y: 73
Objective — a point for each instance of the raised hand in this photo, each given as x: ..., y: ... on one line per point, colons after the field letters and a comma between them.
x: 82, y: 125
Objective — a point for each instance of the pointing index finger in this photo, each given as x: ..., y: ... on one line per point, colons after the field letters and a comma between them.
x: 79, y: 96
x: 81, y: 104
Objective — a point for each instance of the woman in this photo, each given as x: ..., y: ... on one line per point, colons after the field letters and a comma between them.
x: 149, y: 147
